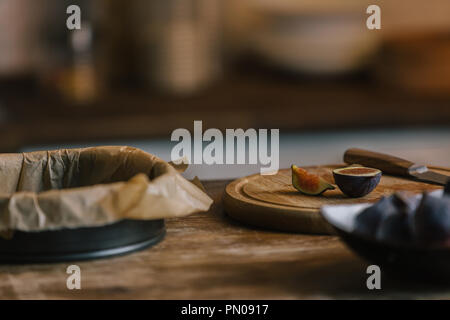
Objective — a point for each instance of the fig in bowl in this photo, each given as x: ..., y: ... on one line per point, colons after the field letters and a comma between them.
x: 356, y: 181
x: 407, y: 235
x: 431, y: 223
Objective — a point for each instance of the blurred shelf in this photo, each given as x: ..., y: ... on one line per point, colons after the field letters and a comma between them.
x: 238, y: 101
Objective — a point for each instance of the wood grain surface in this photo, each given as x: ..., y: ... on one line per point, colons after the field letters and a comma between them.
x: 272, y: 202
x: 210, y: 256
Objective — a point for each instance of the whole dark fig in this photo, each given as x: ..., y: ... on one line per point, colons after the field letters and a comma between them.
x: 431, y: 224
x: 405, y: 203
x: 447, y: 189
x: 368, y: 221
x: 395, y: 228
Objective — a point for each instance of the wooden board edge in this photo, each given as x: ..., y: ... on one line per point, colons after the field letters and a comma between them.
x: 288, y: 219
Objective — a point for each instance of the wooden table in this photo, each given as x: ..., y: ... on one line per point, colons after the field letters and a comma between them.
x: 209, y: 256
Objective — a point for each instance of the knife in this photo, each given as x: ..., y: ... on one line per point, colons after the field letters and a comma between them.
x: 393, y: 165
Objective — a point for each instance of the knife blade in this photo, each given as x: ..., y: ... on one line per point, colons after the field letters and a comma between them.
x: 395, y: 166
x: 431, y: 177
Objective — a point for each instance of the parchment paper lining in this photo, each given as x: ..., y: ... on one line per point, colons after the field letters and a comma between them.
x: 72, y: 188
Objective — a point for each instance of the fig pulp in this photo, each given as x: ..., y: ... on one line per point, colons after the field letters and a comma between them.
x: 307, y: 183
x: 356, y: 182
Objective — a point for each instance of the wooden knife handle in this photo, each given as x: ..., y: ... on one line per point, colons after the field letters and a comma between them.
x: 386, y: 163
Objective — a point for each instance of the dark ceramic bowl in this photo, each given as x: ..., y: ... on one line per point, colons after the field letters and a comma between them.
x: 409, y: 261
x: 356, y: 185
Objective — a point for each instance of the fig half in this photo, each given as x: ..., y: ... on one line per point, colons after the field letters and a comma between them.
x: 356, y: 182
x: 308, y: 183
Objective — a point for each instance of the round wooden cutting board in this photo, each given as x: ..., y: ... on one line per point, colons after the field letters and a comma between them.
x: 272, y: 202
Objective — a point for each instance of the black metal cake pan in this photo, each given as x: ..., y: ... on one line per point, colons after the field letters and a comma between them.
x: 78, y: 244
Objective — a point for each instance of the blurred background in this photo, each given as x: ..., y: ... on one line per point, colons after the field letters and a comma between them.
x: 139, y: 69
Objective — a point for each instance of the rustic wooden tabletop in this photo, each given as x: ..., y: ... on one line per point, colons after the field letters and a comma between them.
x: 210, y: 256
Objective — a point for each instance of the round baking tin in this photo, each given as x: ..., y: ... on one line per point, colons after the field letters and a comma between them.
x: 81, y: 243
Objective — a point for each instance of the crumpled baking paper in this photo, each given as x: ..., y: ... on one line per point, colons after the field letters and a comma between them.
x: 71, y: 188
